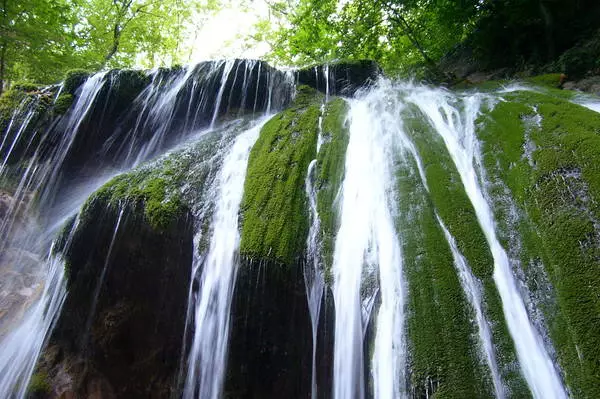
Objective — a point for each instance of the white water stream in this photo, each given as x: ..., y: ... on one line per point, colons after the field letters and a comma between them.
x: 367, y: 260
x: 208, y: 355
x: 453, y: 118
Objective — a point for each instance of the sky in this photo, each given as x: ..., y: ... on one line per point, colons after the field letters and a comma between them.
x: 221, y: 35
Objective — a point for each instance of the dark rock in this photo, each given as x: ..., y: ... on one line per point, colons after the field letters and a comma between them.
x: 134, y: 341
x: 270, y: 352
x: 590, y: 84
x: 345, y: 78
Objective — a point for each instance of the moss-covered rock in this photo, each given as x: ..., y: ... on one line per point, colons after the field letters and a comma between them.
x: 552, y: 170
x: 73, y: 79
x: 63, y: 103
x: 22, y: 114
x: 122, y: 318
x: 551, y: 79
x: 455, y: 209
x: 39, y: 386
x: 445, y: 357
x: 330, y: 172
x: 25, y: 87
x: 274, y: 211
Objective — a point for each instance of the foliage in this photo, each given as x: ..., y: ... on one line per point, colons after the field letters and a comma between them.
x: 407, y: 35
x: 41, y: 39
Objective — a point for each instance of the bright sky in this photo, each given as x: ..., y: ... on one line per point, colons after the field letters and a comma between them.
x: 221, y: 35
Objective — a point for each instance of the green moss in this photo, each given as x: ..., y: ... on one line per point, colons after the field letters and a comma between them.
x: 444, y: 349
x: 156, y: 191
x: 9, y: 101
x: 558, y: 186
x: 550, y: 79
x: 330, y: 172
x: 63, y: 103
x: 73, y: 79
x: 25, y: 86
x: 39, y: 384
x: 274, y: 211
x: 455, y: 209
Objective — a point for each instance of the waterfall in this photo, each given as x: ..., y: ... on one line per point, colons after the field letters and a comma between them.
x: 367, y: 261
x: 58, y: 166
x: 208, y: 353
x: 472, y: 290
x: 227, y: 67
x: 20, y: 349
x: 314, y: 279
x: 66, y: 159
x: 589, y: 102
x: 457, y: 129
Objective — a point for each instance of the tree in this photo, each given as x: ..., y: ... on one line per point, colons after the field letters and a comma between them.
x: 394, y: 33
x: 35, y: 36
x: 41, y: 39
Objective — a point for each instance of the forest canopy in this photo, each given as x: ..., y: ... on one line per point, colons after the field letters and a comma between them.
x: 404, y: 35
x: 42, y: 39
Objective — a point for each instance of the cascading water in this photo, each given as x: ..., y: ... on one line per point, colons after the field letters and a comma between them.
x: 151, y: 124
x: 589, y: 102
x: 366, y: 245
x: 181, y: 107
x: 314, y: 279
x: 208, y: 353
x: 21, y: 348
x: 458, y: 132
x: 472, y: 290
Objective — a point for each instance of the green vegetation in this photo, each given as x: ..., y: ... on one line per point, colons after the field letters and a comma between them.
x: 550, y: 80
x: 447, y: 356
x: 73, y: 79
x: 274, y: 210
x: 158, y: 195
x: 40, y: 40
x: 454, y: 208
x: 9, y: 102
x: 433, y: 37
x: 330, y: 172
x: 39, y: 385
x: 63, y: 103
x: 553, y: 172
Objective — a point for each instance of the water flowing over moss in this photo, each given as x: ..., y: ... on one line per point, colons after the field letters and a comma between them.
x: 274, y: 213
x: 547, y: 151
x: 330, y: 168
x: 454, y: 208
x: 445, y: 360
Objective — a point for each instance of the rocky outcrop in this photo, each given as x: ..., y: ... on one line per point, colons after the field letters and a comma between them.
x: 341, y: 78
x: 270, y: 351
x: 120, y: 333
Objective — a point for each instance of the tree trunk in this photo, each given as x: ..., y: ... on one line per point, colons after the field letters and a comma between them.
x: 115, y: 45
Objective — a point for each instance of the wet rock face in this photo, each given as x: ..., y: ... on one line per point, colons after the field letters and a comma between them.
x: 131, y: 334
x: 345, y: 78
x: 270, y: 350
